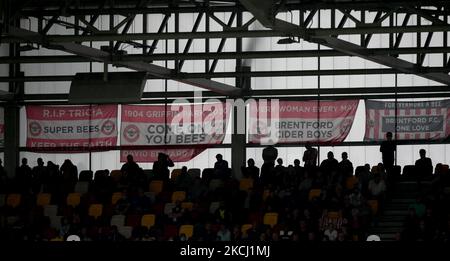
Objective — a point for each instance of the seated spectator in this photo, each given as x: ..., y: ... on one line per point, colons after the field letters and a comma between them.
x: 251, y: 171
x: 123, y: 205
x: 184, y: 180
x: 221, y: 167
x: 330, y: 233
x: 377, y: 187
x: 224, y: 233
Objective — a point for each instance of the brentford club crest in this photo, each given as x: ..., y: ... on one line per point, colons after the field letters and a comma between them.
x: 35, y: 128
x: 131, y: 133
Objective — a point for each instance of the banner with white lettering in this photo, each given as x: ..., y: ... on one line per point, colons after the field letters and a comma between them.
x: 69, y: 127
x: 422, y: 120
x: 301, y: 121
x: 2, y: 127
x: 201, y: 125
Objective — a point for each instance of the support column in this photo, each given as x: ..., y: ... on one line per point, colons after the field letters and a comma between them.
x: 12, y: 114
x: 238, y: 138
x: 12, y: 141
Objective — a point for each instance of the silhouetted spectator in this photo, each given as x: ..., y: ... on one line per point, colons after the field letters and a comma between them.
x: 69, y: 172
x: 377, y: 187
x: 329, y: 165
x: 184, y: 181
x: 387, y: 149
x: 251, y: 171
x: 269, y: 155
x: 345, y: 166
x: 24, y: 176
x: 423, y: 166
x: 310, y: 156
x: 131, y: 169
x: 221, y: 167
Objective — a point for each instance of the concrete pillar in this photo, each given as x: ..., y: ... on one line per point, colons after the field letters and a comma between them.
x: 238, y: 138
x: 12, y: 142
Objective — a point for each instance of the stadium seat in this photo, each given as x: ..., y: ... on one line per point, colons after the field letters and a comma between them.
x: 115, y: 197
x: 170, y: 231
x: 408, y: 171
x: 43, y: 199
x: 82, y: 187
x: 125, y: 231
x: 214, y: 184
x: 73, y: 199
x: 13, y: 200
x: 373, y: 206
x: 334, y: 215
x: 116, y: 175
x: 148, y: 174
x: 55, y: 222
x: 86, y: 175
x: 359, y: 170
x: 350, y: 182
x: 270, y: 219
x: 266, y: 193
x: 148, y: 220
x: 445, y: 168
x: 187, y: 205
x: 245, y: 184
x: 245, y: 228
x: 187, y: 230
x: 95, y: 210
x: 207, y: 174
x: 156, y: 186
x: 194, y: 173
x: 133, y: 220
x: 118, y: 220
x: 50, y: 210
x: 178, y: 196
x: 314, y: 193
x: 175, y: 173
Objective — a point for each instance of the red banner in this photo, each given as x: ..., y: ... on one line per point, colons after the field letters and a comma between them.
x: 71, y: 126
x: 423, y: 120
x: 301, y: 121
x: 152, y: 125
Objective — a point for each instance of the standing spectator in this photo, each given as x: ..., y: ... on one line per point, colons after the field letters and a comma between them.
x: 310, y: 156
x: 221, y: 167
x: 269, y: 155
x: 224, y: 233
x: 130, y: 169
x: 345, y: 166
x: 424, y: 166
x: 387, y: 149
x: 24, y: 175
x: 161, y: 166
x: 329, y: 165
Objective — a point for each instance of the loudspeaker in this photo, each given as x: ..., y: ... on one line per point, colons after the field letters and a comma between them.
x: 120, y: 87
